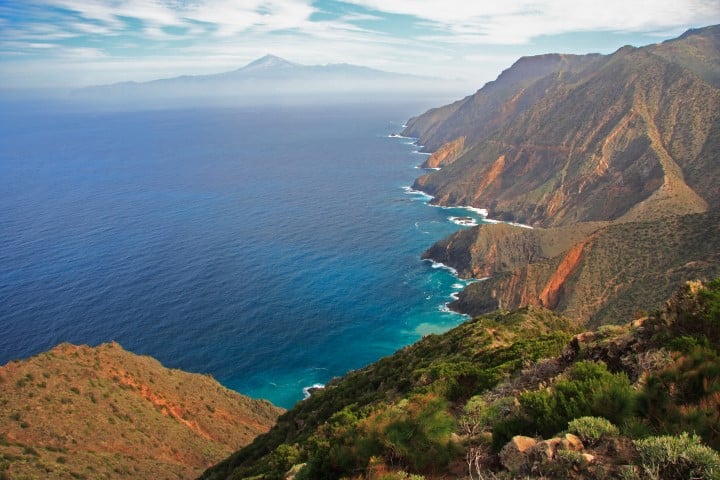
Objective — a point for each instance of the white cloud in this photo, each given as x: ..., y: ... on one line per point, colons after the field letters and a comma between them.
x: 518, y: 21
x: 227, y: 17
x: 148, y: 39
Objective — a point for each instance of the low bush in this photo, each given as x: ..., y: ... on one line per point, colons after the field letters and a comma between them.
x: 591, y: 430
x: 589, y: 389
x: 678, y: 457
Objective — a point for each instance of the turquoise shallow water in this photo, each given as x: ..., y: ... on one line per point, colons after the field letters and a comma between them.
x: 272, y: 248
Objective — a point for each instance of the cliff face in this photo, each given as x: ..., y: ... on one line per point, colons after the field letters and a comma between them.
x: 604, y: 277
x: 446, y: 154
x: 486, y: 250
x: 626, y: 136
x: 82, y: 412
x: 478, y: 116
x: 616, y: 162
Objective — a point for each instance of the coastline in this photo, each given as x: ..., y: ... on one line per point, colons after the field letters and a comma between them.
x: 461, y: 221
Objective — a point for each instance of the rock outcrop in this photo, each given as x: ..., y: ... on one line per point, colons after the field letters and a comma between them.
x: 446, y: 154
x: 615, y: 271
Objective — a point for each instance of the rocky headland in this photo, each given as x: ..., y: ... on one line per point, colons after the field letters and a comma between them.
x: 614, y: 159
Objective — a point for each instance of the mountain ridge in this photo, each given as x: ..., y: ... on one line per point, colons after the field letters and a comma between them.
x: 506, y: 395
x: 267, y: 79
x: 601, y: 154
x: 102, y: 412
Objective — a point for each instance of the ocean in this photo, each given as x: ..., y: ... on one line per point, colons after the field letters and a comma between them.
x: 273, y: 248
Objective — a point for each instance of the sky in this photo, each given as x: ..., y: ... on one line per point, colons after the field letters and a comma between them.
x: 73, y: 43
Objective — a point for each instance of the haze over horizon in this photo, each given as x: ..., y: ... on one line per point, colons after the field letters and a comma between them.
x: 76, y: 43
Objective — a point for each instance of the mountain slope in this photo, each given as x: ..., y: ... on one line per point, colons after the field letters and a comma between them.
x: 451, y: 405
x: 615, y: 161
x: 591, y: 273
x: 82, y: 412
x: 625, y: 136
x: 474, y: 356
x: 478, y: 116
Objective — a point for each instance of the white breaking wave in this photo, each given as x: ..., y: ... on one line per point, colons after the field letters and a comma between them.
x: 437, y: 265
x: 514, y: 224
x: 464, y: 221
x: 412, y: 191
x: 306, y: 390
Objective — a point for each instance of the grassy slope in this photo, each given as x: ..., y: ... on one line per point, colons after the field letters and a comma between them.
x: 468, y: 359
x: 81, y: 412
x: 471, y: 389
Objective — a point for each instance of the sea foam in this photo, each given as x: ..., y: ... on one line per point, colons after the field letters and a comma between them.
x: 434, y: 264
x: 306, y: 390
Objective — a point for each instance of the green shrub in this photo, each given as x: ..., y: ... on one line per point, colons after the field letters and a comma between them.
x: 479, y: 416
x: 704, y: 319
x: 592, y: 430
x: 588, y: 390
x: 686, y: 343
x: 685, y: 396
x: 414, y: 433
x: 637, y: 428
x: 678, y: 457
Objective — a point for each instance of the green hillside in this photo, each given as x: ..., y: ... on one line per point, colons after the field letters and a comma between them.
x: 452, y: 405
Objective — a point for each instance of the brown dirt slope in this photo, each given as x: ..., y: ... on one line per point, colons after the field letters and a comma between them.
x: 102, y: 413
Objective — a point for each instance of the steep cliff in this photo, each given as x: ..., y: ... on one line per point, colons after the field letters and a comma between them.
x: 616, y: 162
x: 446, y: 154
x: 632, y: 135
x: 603, y: 277
x: 488, y: 249
x: 481, y: 115
x: 82, y: 412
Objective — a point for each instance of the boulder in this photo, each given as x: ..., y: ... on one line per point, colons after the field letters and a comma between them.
x: 514, y: 455
x: 571, y: 442
x: 544, y: 451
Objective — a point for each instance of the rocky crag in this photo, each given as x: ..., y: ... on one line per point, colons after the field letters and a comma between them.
x: 615, y: 160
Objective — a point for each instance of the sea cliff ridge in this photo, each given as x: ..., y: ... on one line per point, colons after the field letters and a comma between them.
x: 610, y: 157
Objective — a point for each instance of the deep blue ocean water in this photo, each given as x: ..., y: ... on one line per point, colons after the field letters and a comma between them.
x: 274, y: 248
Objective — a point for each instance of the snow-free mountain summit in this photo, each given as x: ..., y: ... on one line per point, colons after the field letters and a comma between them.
x: 271, y: 78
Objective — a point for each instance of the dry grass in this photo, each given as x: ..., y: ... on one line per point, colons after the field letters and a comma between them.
x: 82, y: 412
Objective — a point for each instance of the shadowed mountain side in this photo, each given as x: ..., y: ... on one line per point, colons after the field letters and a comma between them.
x: 698, y: 50
x: 632, y: 136
x: 82, y: 412
x: 481, y: 115
x: 600, y: 279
